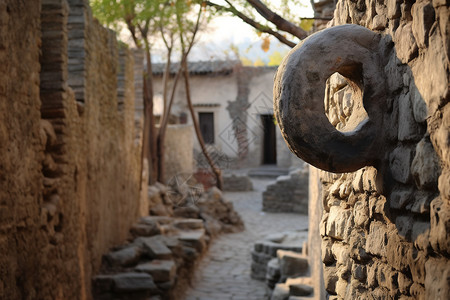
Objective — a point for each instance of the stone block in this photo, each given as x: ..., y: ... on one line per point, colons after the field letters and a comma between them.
x: 437, y: 280
x: 125, y: 257
x: 188, y: 224
x: 421, y: 204
x: 398, y: 252
x: 357, y: 242
x: 341, y: 253
x: 440, y: 226
x: 129, y: 282
x: 420, y: 109
x: 327, y: 254
x: 393, y: 9
x: 423, y: 19
x: 235, y: 182
x: 338, y: 222
x: 145, y: 230
x: 400, y: 164
x: 292, y: 264
x: 133, y: 282
x: 444, y: 183
x: 379, y: 22
x: 359, y: 272
x: 300, y: 290
x: 160, y: 270
x: 187, y: 212
x: 377, y: 239
x: 280, y: 292
x: 404, y: 226
x: 330, y: 279
x: 400, y: 197
x: 425, y: 166
x: 404, y: 283
x: 272, y: 272
x: 341, y: 287
x: 416, y: 260
x: 372, y: 275
x: 405, y: 43
x: 193, y: 238
x: 154, y: 247
x: 408, y: 128
x: 417, y: 291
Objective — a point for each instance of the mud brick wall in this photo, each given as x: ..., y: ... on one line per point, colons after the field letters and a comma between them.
x: 70, y: 160
x: 21, y: 150
x: 386, y: 231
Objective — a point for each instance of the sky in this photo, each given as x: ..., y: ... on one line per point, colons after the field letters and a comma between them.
x: 224, y: 31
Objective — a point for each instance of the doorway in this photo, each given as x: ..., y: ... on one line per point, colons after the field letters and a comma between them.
x: 206, y: 124
x: 269, y: 140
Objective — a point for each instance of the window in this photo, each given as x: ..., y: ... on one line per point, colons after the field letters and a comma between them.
x: 206, y: 123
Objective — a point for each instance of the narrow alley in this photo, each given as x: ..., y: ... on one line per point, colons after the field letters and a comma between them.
x: 224, y: 273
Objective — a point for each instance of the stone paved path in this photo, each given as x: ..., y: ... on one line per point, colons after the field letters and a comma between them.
x: 224, y: 273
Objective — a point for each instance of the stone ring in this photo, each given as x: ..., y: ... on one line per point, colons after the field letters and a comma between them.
x: 299, y: 91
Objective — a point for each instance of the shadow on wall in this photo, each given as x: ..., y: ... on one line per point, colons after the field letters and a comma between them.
x: 384, y: 221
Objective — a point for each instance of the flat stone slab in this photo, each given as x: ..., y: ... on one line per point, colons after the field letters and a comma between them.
x: 154, y: 247
x: 160, y: 220
x: 125, y: 257
x: 132, y: 282
x: 145, y: 229
x: 193, y: 238
x: 300, y: 290
x: 292, y: 264
x: 188, y: 224
x: 161, y: 270
x: 124, y: 283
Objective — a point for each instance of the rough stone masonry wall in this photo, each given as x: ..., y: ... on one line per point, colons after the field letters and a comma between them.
x: 69, y: 166
x: 386, y: 231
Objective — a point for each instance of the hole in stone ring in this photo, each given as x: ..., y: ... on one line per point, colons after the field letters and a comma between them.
x: 343, y: 103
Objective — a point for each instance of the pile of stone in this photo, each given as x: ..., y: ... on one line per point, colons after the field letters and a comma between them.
x: 292, y: 269
x: 266, y: 249
x: 237, y: 183
x: 163, y: 248
x: 153, y: 263
x: 280, y: 260
x: 288, y: 193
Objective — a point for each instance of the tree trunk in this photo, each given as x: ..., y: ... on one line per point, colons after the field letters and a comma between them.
x: 149, y: 120
x: 217, y: 172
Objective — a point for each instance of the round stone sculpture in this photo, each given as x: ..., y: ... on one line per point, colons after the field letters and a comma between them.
x: 299, y: 91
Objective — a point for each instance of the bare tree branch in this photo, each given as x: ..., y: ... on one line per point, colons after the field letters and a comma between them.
x: 253, y: 23
x: 281, y: 23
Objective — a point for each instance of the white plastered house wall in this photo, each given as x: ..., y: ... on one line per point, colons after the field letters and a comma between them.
x: 211, y: 92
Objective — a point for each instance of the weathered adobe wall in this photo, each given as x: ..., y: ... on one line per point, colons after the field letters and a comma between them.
x: 386, y: 231
x: 69, y: 167
x: 21, y: 151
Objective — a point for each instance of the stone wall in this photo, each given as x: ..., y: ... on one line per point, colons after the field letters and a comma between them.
x: 70, y: 166
x: 289, y: 193
x: 385, y: 230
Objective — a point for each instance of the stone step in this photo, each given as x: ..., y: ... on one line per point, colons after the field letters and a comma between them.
x: 130, y: 282
x: 154, y: 247
x: 125, y: 257
x: 188, y: 224
x: 160, y: 270
x: 292, y: 264
x: 193, y: 238
x: 268, y: 172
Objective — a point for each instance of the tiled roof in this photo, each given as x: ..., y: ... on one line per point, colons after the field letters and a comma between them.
x: 199, y: 67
